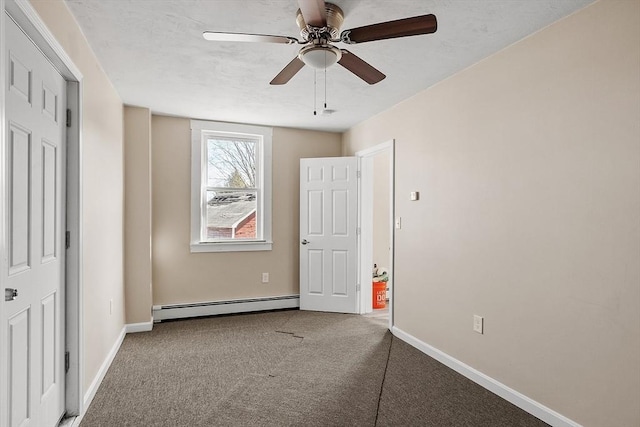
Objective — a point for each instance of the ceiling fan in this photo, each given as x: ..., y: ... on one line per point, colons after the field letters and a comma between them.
x: 319, y: 24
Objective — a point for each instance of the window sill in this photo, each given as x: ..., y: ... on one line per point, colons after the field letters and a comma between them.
x: 231, y: 246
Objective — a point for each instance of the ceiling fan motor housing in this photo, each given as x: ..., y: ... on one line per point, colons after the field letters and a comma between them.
x: 335, y: 18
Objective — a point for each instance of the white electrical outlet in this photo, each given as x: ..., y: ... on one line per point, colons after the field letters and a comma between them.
x: 265, y: 277
x: 478, y: 324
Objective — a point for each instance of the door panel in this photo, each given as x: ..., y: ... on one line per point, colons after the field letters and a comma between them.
x: 49, y: 344
x: 315, y: 222
x: 316, y: 271
x: 50, y: 103
x: 19, y: 155
x: 328, y: 221
x: 19, y: 378
x: 19, y: 79
x: 340, y: 272
x: 340, y: 220
x: 34, y: 320
x: 49, y: 200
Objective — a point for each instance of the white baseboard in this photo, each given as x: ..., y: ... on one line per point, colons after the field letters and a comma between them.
x: 212, y: 308
x: 131, y: 328
x: 536, y: 409
x: 95, y: 384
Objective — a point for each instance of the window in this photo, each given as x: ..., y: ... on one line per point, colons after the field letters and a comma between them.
x: 230, y: 187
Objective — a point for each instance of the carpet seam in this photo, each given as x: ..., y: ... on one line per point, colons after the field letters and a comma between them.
x: 384, y: 377
x: 293, y: 334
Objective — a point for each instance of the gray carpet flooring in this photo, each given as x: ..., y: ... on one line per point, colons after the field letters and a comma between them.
x: 287, y: 368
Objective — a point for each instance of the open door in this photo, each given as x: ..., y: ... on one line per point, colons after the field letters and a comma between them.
x: 328, y: 239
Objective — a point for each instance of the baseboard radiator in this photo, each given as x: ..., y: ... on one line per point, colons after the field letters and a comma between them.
x: 212, y: 308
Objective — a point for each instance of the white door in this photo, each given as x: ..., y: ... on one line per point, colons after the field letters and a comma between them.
x: 33, y: 260
x: 328, y: 225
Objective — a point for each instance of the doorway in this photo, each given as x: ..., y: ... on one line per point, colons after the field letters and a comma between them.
x: 376, y: 212
x: 20, y: 13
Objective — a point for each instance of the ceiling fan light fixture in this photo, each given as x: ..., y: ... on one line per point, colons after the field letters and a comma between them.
x: 320, y: 56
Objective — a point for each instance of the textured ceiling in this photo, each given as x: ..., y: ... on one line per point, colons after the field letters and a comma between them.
x: 154, y: 53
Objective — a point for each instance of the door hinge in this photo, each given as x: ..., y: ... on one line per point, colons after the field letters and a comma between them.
x: 67, y: 240
x: 358, y: 231
x: 358, y: 174
x: 66, y: 361
x: 68, y: 118
x: 358, y: 287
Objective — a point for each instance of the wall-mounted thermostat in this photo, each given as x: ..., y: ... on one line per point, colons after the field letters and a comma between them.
x: 415, y: 195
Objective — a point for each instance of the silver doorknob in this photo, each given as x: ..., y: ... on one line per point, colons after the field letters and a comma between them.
x: 305, y: 241
x: 10, y: 294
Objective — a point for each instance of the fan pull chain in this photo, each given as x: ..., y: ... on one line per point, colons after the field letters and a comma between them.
x: 315, y: 92
x: 325, y: 82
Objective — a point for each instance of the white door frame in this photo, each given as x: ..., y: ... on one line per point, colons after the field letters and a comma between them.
x: 27, y: 18
x: 365, y: 215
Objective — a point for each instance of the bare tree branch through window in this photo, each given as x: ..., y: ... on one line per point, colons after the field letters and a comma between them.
x: 232, y: 163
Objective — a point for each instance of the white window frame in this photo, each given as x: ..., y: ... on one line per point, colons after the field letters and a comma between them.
x: 199, y: 130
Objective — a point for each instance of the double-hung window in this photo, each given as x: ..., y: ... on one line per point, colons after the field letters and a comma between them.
x: 230, y: 187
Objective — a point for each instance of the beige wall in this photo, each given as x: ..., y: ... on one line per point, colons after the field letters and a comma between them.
x: 180, y: 276
x: 102, y: 191
x: 528, y: 165
x: 381, y: 211
x: 137, y: 205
